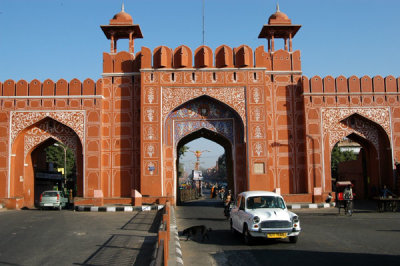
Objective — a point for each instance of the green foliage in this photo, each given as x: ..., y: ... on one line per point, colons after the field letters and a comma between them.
x: 182, y: 150
x: 337, y: 157
x: 55, y: 155
x: 222, y: 167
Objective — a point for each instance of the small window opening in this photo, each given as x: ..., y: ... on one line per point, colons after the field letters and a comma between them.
x: 255, y: 75
x: 214, y: 76
x: 234, y: 76
x: 193, y: 77
x: 151, y: 76
x: 173, y: 76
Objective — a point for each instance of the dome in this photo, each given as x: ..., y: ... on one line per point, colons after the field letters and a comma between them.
x: 122, y: 18
x: 279, y: 18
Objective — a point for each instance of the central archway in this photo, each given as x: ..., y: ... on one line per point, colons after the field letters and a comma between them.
x: 214, y: 137
x: 211, y: 119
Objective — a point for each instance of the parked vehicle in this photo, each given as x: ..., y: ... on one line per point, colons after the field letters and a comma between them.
x: 52, y: 199
x: 263, y: 214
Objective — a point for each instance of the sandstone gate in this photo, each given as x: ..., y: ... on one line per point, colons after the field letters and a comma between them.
x: 278, y: 127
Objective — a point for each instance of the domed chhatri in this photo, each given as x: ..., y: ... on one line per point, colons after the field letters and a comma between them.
x: 121, y: 27
x: 279, y: 27
x: 279, y: 18
x: 122, y: 18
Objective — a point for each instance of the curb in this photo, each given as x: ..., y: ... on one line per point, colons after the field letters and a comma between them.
x: 118, y: 208
x: 175, y: 251
x: 310, y: 206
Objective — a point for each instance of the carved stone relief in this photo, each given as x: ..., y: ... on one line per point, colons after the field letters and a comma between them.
x: 73, y: 119
x: 233, y: 97
x: 337, y: 124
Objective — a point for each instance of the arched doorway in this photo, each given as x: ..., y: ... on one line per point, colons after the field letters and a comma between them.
x: 211, y: 119
x: 31, y: 172
x: 219, y: 139
x: 372, y: 168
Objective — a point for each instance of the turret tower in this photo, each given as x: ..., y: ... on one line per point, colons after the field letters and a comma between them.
x: 279, y: 26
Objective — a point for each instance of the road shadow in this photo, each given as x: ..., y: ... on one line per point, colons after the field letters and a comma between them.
x: 204, y: 202
x: 134, y: 245
x: 300, y: 257
x: 227, y: 238
x: 123, y: 250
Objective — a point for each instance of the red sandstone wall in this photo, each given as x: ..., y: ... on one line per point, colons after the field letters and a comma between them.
x: 275, y: 127
x: 366, y: 96
x: 51, y: 96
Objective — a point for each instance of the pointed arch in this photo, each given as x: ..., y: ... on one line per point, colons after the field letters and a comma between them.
x: 42, y: 133
x: 204, y: 112
x: 74, y: 119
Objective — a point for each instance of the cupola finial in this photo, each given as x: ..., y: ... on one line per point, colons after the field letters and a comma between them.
x: 123, y: 7
x: 277, y: 8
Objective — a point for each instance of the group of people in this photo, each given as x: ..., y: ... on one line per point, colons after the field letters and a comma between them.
x: 348, y: 193
x: 225, y: 195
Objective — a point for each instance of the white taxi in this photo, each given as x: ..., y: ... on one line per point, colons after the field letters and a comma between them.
x: 263, y: 214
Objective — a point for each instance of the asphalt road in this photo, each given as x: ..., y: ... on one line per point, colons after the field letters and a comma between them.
x: 33, y: 237
x: 366, y: 238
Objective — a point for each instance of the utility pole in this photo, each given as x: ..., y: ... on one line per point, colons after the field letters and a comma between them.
x: 197, y: 166
x: 65, y: 162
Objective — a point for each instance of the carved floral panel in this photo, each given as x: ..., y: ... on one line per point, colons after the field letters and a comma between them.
x: 232, y: 96
x: 337, y: 125
x: 73, y: 119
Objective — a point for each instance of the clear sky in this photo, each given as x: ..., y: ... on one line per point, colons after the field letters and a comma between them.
x: 62, y: 38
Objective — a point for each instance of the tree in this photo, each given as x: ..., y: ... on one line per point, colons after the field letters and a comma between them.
x: 55, y: 155
x: 181, y: 152
x: 337, y: 157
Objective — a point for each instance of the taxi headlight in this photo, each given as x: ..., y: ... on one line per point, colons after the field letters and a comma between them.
x: 295, y: 219
x: 256, y: 219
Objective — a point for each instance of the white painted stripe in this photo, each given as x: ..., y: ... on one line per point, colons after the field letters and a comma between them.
x: 178, y: 250
x: 326, y: 205
x: 296, y: 206
x: 128, y: 208
x: 111, y: 209
x: 146, y: 208
x: 313, y: 206
x: 160, y: 207
x: 94, y: 209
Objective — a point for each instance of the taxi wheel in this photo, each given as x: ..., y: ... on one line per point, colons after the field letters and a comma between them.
x: 233, y: 231
x: 248, y: 239
x: 293, y: 239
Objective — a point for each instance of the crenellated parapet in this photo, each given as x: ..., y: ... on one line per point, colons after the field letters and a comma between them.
x: 203, y: 57
x: 342, y: 91
x: 49, y: 94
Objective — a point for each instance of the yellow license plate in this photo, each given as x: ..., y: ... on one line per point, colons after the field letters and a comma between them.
x: 276, y: 235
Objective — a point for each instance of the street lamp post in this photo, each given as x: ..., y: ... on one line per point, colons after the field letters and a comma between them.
x: 65, y: 161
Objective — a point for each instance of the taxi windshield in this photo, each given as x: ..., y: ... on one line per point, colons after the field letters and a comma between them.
x: 260, y: 202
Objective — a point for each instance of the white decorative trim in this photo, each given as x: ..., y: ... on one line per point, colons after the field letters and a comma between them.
x: 203, y: 69
x: 55, y: 97
x: 126, y: 74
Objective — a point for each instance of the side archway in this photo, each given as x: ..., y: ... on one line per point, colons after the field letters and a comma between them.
x: 374, y: 162
x: 28, y: 160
